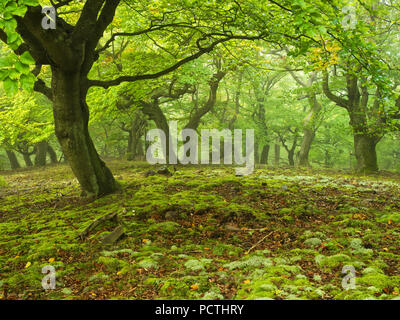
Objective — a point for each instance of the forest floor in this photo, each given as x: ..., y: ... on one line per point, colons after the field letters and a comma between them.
x: 202, y: 234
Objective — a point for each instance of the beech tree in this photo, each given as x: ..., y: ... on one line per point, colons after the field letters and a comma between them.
x: 83, y: 32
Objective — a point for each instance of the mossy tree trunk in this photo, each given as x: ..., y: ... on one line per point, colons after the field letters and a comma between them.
x: 310, y: 127
x: 14, y: 164
x: 27, y: 159
x: 52, y: 154
x: 265, y: 154
x: 277, y: 155
x: 356, y: 104
x: 70, y: 51
x: 41, y: 152
x: 309, y: 130
x: 71, y: 117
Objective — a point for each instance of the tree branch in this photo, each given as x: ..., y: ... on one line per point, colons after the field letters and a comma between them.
x: 336, y: 99
x: 201, y: 52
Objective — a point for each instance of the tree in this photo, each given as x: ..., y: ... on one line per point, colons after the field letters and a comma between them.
x: 75, y: 46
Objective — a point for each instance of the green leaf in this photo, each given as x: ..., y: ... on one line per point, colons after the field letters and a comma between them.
x: 4, y: 74
x: 30, y: 2
x: 5, y: 62
x: 20, y: 11
x: 27, y: 81
x: 10, y: 86
x: 26, y: 58
x: 12, y: 37
x: 23, y: 68
x: 10, y: 26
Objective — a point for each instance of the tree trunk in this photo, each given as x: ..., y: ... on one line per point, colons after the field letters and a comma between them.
x: 130, y: 151
x: 308, y: 139
x: 52, y: 154
x: 365, y: 151
x: 41, y: 152
x: 154, y: 112
x: 71, y: 115
x: 139, y: 150
x: 328, y: 163
x: 13, y: 160
x: 256, y: 153
x: 291, y: 157
x: 27, y: 159
x: 364, y: 143
x: 277, y: 154
x: 309, y: 130
x: 265, y: 154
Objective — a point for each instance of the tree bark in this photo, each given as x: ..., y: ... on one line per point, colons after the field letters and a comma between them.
x: 364, y: 142
x: 71, y: 117
x: 265, y: 154
x: 309, y: 131
x: 154, y: 112
x: 13, y: 160
x: 135, y: 132
x: 41, y: 152
x: 308, y: 138
x: 365, y: 151
x: 27, y: 159
x: 356, y: 105
x: 256, y: 153
x: 52, y: 154
x: 277, y: 154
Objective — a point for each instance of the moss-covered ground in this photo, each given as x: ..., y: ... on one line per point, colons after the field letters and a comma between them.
x: 202, y: 234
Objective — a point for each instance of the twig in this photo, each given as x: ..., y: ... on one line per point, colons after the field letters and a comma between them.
x: 248, y: 251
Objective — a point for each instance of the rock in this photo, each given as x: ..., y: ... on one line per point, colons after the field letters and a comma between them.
x: 66, y: 291
x: 356, y: 244
x: 194, y: 265
x: 113, y: 236
x: 164, y: 171
x: 317, y: 277
x: 313, y: 242
x: 148, y: 264
x: 150, y: 173
x: 172, y: 215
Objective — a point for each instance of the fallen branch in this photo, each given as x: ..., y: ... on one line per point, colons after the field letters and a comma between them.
x: 113, y: 236
x: 97, y: 222
x: 269, y: 234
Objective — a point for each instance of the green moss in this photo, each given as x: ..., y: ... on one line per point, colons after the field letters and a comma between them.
x: 249, y: 262
x: 197, y: 265
x: 164, y: 227
x: 378, y: 280
x: 332, y: 261
x: 112, y: 264
x: 148, y: 264
x: 3, y: 182
x: 182, y: 288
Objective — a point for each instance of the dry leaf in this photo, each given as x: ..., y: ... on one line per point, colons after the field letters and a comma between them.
x: 194, y: 287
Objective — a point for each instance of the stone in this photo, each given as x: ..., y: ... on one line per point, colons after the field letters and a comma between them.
x: 313, y: 242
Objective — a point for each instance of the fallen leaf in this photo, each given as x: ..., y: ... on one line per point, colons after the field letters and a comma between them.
x: 194, y: 287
